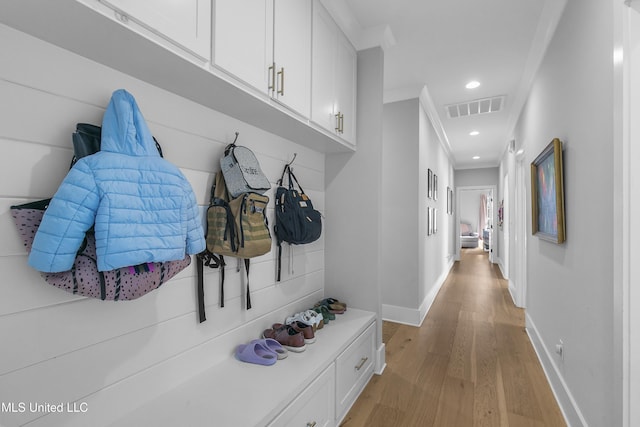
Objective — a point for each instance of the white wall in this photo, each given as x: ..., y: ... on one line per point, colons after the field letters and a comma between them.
x: 57, y: 347
x: 411, y: 147
x: 401, y: 225
x: 569, y: 286
x: 354, y: 198
x: 476, y: 177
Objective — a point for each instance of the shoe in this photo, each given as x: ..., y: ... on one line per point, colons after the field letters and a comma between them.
x: 288, y: 337
x: 275, y: 347
x: 335, y: 302
x: 256, y: 352
x: 333, y: 308
x: 326, y: 314
x: 307, y: 330
x: 317, y: 319
x: 304, y: 317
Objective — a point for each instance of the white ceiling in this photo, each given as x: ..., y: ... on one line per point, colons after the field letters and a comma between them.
x: 435, y: 47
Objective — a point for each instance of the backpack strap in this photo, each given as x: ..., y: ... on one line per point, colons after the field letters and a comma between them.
x: 246, y: 267
x: 200, y: 290
x: 279, y: 264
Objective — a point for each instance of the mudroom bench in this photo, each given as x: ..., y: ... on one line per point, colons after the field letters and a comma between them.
x: 313, y: 388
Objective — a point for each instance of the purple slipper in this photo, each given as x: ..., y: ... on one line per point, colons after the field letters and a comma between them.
x: 274, y: 346
x: 256, y: 352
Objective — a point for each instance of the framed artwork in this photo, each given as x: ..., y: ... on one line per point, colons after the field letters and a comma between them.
x: 449, y: 201
x: 547, y: 194
x: 435, y: 187
x: 430, y: 184
x: 429, y: 221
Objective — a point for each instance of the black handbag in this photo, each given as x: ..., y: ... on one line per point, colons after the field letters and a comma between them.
x: 297, y: 222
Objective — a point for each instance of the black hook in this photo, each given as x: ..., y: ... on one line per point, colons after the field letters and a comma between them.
x: 234, y: 141
x: 292, y: 160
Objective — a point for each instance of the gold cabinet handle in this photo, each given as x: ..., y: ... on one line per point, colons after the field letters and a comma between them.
x: 338, y: 122
x: 272, y: 77
x: 361, y: 364
x: 311, y: 424
x: 281, y: 74
x: 341, y: 123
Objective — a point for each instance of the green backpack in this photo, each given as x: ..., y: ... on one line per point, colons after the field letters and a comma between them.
x: 235, y: 227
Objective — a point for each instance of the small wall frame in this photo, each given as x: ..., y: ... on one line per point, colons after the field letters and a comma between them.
x: 547, y: 194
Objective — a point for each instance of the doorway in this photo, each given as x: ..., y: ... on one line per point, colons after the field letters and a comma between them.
x: 471, y: 215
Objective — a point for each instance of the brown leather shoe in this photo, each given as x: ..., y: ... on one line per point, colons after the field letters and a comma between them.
x: 288, y: 337
x: 307, y: 330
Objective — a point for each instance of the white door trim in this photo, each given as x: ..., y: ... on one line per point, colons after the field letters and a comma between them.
x: 492, y: 246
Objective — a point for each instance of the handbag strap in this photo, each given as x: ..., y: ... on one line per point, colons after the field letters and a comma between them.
x: 292, y: 178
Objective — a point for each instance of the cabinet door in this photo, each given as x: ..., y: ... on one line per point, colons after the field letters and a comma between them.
x: 186, y: 23
x: 243, y: 40
x: 354, y: 368
x: 314, y: 406
x: 292, y: 54
x: 323, y: 107
x: 345, y: 87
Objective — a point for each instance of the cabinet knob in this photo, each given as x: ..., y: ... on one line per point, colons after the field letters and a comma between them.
x: 361, y: 364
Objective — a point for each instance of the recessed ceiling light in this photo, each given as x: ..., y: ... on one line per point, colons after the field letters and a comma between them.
x: 472, y: 84
x: 474, y: 133
x: 476, y: 157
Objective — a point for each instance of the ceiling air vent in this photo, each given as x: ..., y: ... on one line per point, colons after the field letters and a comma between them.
x: 477, y: 106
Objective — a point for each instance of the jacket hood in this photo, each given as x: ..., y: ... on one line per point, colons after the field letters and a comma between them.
x: 124, y: 129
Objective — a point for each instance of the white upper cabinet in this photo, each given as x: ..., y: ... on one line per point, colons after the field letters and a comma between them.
x: 186, y: 23
x: 345, y: 87
x: 333, y: 77
x: 243, y: 40
x: 267, y: 45
x: 292, y: 54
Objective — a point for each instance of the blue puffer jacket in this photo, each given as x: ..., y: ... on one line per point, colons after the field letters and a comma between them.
x: 143, y: 207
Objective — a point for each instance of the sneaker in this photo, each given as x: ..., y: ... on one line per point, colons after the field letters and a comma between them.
x: 303, y: 317
x: 317, y: 319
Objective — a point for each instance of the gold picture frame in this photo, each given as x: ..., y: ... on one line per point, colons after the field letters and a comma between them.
x: 547, y: 194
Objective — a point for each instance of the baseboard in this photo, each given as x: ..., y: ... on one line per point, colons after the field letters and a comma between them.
x: 512, y: 292
x: 501, y: 267
x: 404, y: 315
x: 415, y: 316
x: 570, y: 410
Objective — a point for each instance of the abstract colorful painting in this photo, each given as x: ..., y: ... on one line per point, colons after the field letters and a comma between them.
x: 547, y: 194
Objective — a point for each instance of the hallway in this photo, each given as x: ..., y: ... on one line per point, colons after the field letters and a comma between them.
x: 470, y: 363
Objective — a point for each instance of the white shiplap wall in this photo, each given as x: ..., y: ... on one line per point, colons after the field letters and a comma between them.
x: 56, y: 347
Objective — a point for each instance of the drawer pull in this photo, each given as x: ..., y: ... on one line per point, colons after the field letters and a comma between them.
x: 313, y: 424
x: 361, y: 364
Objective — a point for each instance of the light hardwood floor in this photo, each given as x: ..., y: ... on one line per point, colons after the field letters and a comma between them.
x: 470, y: 363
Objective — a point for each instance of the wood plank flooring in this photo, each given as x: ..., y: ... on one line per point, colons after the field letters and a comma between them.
x: 470, y: 363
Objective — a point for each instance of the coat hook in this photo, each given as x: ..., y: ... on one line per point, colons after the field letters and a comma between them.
x: 292, y: 160
x: 234, y: 141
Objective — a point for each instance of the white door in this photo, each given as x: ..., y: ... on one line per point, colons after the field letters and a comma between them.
x: 322, y: 76
x: 243, y: 40
x: 520, y: 238
x: 187, y: 22
x: 345, y: 80
x: 630, y: 187
x: 292, y: 54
